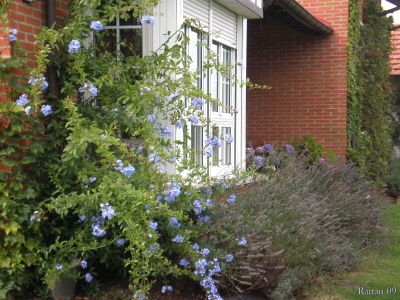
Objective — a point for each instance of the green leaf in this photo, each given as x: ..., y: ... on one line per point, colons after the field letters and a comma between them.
x: 28, y: 159
x: 12, y: 227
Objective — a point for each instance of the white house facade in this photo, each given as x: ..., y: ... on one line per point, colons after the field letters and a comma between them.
x: 226, y: 20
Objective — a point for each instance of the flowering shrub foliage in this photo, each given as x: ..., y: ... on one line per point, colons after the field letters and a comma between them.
x: 79, y: 193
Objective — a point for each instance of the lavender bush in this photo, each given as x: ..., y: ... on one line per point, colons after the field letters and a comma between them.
x: 298, y: 223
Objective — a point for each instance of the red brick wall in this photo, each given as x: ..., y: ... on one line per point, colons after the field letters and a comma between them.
x: 308, y: 79
x: 28, y: 19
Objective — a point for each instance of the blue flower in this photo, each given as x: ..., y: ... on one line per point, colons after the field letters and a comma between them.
x: 82, y: 218
x: 88, y: 277
x: 89, y: 87
x: 229, y: 258
x: 153, y: 225
x: 197, y: 102
x: 43, y: 84
x: 174, y: 95
x: 185, y: 262
x: 289, y: 149
x: 179, y: 124
x: 120, y: 242
x: 46, y: 110
x: 213, y: 141
x: 128, y: 171
x: 35, y: 216
x: 138, y: 295
x: 13, y: 35
x: 229, y: 138
x: 27, y: 109
x: 174, y: 222
x: 195, y: 247
x: 74, y: 46
x: 204, y: 219
x: 259, y: 161
x: 107, y: 211
x: 208, y: 151
x: 152, y: 118
x: 166, y: 289
x: 242, y: 242
x: 92, y: 179
x: 178, y: 239
x: 173, y: 190
x: 205, y: 252
x: 268, y: 147
x: 147, y: 20
x: 97, y: 231
x: 154, y: 157
x: 194, y: 119
x: 231, y: 198
x: 83, y: 264
x: 198, y: 207
x: 59, y: 267
x: 240, y: 63
x: 96, y: 25
x: 115, y: 110
x: 201, y: 266
x: 22, y: 100
x: 164, y: 131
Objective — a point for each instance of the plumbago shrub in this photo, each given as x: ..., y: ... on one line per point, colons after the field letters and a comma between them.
x: 102, y: 193
x: 298, y: 223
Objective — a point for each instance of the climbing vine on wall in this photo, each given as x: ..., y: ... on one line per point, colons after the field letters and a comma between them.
x: 369, y: 93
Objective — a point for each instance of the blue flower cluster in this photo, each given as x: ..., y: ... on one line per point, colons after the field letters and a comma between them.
x: 73, y: 46
x: 242, y: 241
x: 120, y: 242
x: 35, y: 216
x: 174, y: 96
x: 229, y: 138
x: 268, y: 147
x: 107, y: 211
x: 213, y: 141
x: 46, y: 110
x: 153, y: 225
x: 43, y: 84
x: 231, y: 198
x: 197, y: 102
x: 22, y: 100
x: 172, y: 191
x: 179, y: 124
x: 89, y: 87
x: 178, y: 239
x: 194, y: 119
x: 88, y: 277
x: 13, y: 35
x: 208, y: 151
x: 174, y: 222
x: 164, y: 131
x: 127, y: 171
x: 185, y: 262
x: 96, y: 25
x: 147, y: 20
x: 207, y: 269
x: 166, y: 289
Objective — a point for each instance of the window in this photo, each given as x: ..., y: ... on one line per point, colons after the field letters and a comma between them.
x: 221, y: 86
x: 124, y: 36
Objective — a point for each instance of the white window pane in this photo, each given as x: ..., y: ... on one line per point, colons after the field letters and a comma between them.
x: 226, y: 148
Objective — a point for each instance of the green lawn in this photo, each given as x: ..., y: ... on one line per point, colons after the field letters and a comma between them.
x: 378, y: 276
